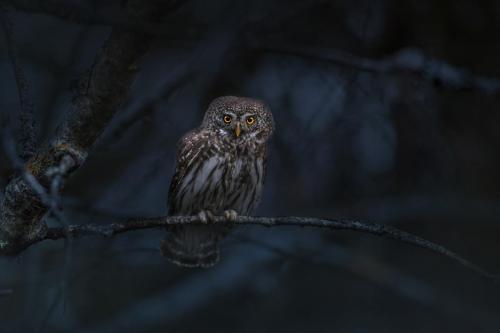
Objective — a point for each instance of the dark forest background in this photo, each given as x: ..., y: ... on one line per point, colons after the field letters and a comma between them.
x: 385, y: 110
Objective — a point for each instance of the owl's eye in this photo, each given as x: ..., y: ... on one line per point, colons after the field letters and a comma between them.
x: 227, y: 119
x: 251, y: 120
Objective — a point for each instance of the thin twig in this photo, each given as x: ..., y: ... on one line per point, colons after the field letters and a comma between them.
x: 57, y: 174
x: 409, y: 60
x: 116, y: 67
x: 385, y: 231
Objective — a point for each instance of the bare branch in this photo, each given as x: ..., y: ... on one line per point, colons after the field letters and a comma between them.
x: 76, y: 231
x: 407, y: 60
x: 27, y: 119
x: 98, y: 98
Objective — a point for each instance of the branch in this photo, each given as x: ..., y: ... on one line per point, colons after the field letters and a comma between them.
x: 109, y: 230
x: 407, y: 60
x: 27, y: 119
x: 98, y: 98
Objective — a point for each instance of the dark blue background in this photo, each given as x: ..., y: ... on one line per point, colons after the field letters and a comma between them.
x: 393, y: 148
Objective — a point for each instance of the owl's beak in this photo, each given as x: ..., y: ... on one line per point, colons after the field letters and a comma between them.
x: 237, y: 130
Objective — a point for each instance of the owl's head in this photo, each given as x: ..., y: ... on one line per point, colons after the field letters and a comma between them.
x: 239, y: 118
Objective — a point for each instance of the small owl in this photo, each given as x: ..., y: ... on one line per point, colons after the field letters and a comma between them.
x: 220, y: 171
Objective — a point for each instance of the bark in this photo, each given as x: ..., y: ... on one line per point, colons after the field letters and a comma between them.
x: 98, y: 98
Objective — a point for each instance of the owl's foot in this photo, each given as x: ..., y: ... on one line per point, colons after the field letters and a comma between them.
x: 230, y: 215
x: 206, y: 216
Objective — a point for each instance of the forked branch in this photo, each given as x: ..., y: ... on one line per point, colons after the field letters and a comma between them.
x: 98, y: 98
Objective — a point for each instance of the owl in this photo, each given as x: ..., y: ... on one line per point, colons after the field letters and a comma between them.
x: 220, y: 170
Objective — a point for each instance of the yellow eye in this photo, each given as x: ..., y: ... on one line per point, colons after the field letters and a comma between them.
x: 227, y: 119
x: 250, y: 120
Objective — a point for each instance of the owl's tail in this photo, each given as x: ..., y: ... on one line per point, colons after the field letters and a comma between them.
x: 191, y: 246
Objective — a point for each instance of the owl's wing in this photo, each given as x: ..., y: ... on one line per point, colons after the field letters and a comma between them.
x: 188, y: 149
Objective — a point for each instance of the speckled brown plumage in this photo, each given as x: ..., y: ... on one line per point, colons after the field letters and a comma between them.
x: 220, y: 170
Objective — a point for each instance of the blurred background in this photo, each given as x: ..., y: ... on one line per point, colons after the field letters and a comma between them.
x: 400, y: 147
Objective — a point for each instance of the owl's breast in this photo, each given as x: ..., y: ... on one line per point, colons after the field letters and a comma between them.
x: 221, y: 182
x: 243, y: 180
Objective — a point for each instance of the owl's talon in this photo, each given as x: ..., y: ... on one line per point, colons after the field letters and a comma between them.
x: 230, y: 215
x: 206, y: 216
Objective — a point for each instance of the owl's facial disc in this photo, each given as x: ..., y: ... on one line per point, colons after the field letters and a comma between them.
x: 237, y: 124
x: 241, y: 119
x: 243, y: 124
